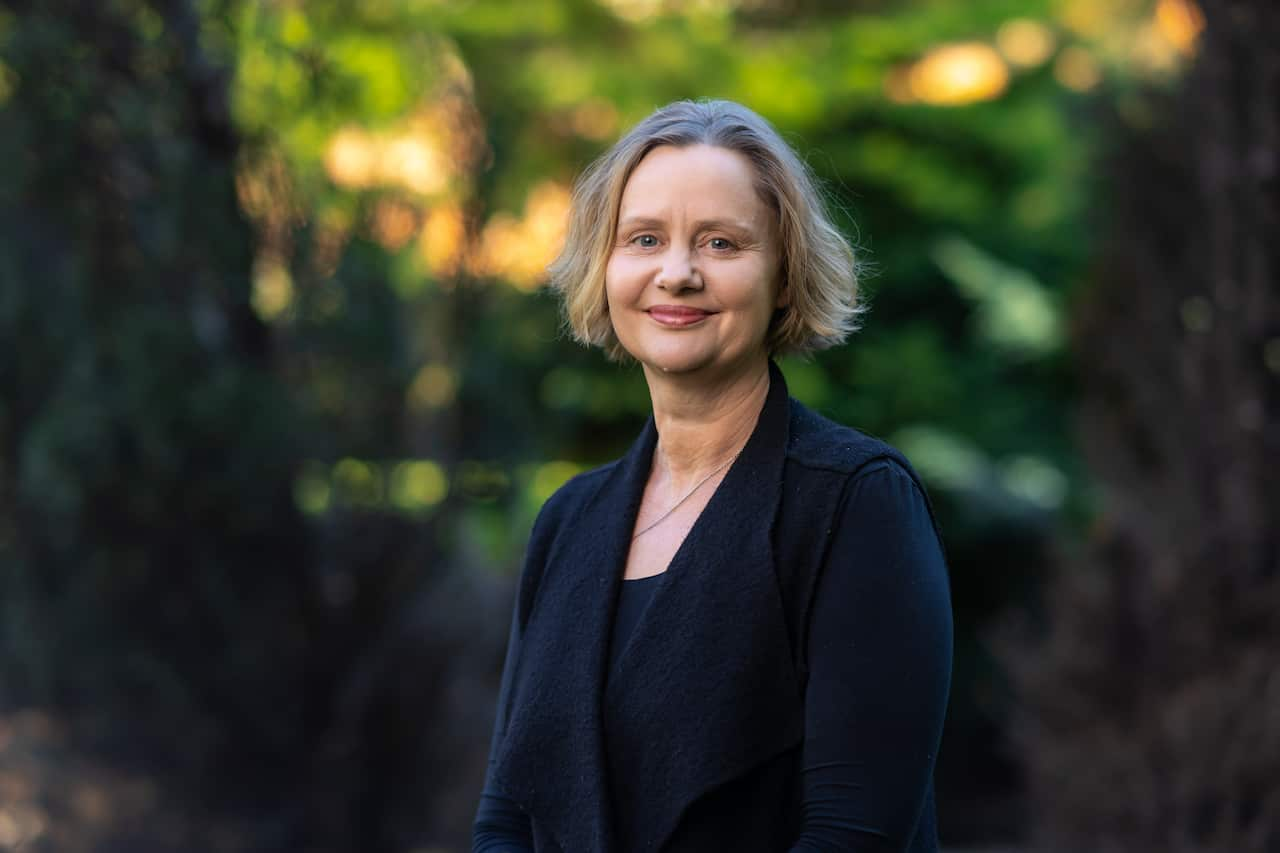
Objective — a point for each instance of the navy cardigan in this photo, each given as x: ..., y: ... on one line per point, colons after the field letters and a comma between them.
x: 705, y: 727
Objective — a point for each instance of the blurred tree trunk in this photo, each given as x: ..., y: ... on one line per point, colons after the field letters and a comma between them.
x: 149, y: 542
x: 158, y: 586
x: 1151, y: 715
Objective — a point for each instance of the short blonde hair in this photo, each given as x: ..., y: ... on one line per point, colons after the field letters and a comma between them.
x: 818, y: 268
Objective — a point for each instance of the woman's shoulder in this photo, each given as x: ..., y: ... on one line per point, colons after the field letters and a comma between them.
x: 818, y: 442
x: 573, y: 495
x: 555, y: 516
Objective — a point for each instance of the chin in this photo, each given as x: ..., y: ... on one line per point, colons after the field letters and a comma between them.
x: 683, y: 360
x: 671, y: 362
x: 673, y: 353
x: 678, y: 367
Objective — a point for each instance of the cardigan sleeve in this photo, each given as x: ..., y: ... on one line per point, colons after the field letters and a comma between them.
x: 500, y: 826
x: 880, y: 644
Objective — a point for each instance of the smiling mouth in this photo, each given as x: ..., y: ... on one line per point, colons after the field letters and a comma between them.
x: 678, y: 315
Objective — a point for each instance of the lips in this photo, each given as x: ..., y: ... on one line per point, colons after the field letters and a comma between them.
x: 678, y: 315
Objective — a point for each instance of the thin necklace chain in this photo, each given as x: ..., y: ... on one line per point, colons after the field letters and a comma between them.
x: 688, y: 495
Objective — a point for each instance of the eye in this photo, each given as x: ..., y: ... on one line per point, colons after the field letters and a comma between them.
x: 645, y: 241
x: 720, y: 244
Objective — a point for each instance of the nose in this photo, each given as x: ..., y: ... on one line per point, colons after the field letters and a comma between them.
x: 678, y: 272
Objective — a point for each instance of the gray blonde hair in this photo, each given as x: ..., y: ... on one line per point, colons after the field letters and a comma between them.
x: 818, y: 268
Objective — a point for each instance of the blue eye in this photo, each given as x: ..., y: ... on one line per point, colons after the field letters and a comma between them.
x: 720, y: 243
x: 645, y: 241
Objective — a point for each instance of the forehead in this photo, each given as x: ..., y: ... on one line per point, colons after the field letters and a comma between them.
x: 696, y: 180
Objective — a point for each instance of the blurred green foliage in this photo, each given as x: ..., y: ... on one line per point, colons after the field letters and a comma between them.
x: 449, y: 118
x: 274, y: 357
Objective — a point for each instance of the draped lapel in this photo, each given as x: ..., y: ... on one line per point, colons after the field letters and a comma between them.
x: 706, y: 687
x: 552, y: 759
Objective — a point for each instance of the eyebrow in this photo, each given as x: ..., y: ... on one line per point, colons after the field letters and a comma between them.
x: 700, y: 225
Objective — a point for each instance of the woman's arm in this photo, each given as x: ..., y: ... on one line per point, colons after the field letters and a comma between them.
x: 500, y: 826
x: 879, y: 670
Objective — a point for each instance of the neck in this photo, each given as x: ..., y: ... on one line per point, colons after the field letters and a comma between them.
x: 702, y: 423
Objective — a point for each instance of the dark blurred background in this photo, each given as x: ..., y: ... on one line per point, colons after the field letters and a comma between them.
x: 281, y: 391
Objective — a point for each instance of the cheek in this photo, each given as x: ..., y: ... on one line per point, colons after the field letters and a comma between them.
x: 620, y: 278
x: 756, y: 287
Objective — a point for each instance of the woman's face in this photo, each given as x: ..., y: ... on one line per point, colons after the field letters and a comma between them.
x: 692, y: 280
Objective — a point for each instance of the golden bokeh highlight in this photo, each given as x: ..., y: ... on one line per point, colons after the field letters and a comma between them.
x: 1025, y: 42
x: 1180, y: 22
x: 1172, y: 35
x: 351, y: 160
x: 519, y: 249
x: 1151, y: 52
x: 358, y: 159
x: 394, y: 223
x: 272, y: 288
x: 1089, y: 18
x: 1077, y: 69
x: 958, y: 74
x: 415, y: 163
x: 442, y: 242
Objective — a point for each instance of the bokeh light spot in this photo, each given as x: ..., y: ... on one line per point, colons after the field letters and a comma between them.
x: 1076, y: 69
x: 272, y: 289
x: 357, y: 159
x: 518, y: 250
x: 394, y: 223
x: 311, y: 489
x: 957, y: 74
x: 551, y: 476
x: 1034, y: 479
x: 942, y: 456
x: 351, y: 158
x: 1180, y: 22
x: 434, y: 387
x: 358, y: 483
x: 443, y: 240
x: 414, y: 162
x: 1025, y: 42
x: 1015, y: 311
x: 417, y: 484
x: 1088, y: 18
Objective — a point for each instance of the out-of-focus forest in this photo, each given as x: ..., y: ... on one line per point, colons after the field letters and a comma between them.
x: 281, y: 391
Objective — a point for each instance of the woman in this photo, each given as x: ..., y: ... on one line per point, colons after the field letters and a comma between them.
x: 738, y: 636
